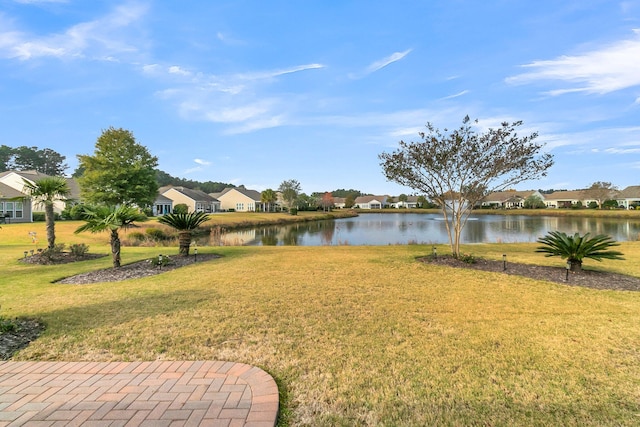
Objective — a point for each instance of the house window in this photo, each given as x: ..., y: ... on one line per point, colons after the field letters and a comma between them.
x: 1, y: 208
x: 18, y: 209
x: 239, y: 206
x: 9, y: 209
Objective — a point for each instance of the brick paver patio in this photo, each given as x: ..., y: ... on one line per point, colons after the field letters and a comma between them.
x: 161, y: 393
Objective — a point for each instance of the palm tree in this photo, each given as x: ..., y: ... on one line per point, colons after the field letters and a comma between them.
x: 268, y: 197
x: 575, y: 248
x: 185, y: 223
x: 46, y: 192
x: 112, y: 219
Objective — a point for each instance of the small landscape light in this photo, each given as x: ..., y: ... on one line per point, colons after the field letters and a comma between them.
x: 160, y: 261
x: 568, y: 268
x: 195, y: 254
x: 31, y: 251
x: 504, y: 262
x: 25, y: 253
x: 435, y: 253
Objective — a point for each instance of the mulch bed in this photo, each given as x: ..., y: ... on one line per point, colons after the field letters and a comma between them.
x: 586, y: 278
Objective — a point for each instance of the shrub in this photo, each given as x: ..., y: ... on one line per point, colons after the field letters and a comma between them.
x: 137, y: 236
x: 156, y: 234
x: 593, y: 205
x: 468, y: 258
x: 38, y: 217
x: 180, y: 208
x: 293, y: 211
x: 575, y: 248
x: 79, y: 249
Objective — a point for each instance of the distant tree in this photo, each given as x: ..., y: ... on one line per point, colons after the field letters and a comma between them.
x: 111, y: 219
x: 164, y: 178
x: 610, y: 204
x: 120, y: 172
x: 422, y: 201
x: 327, y: 201
x: 45, y: 192
x: 185, y: 223
x: 6, y: 153
x: 305, y: 202
x: 456, y: 169
x: 403, y: 198
x: 341, y: 192
x: 51, y: 162
x: 534, y: 202
x: 349, y: 201
x: 46, y: 161
x: 289, y: 190
x: 268, y: 197
x: 601, y: 191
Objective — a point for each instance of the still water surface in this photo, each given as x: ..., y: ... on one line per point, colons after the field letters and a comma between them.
x: 402, y: 229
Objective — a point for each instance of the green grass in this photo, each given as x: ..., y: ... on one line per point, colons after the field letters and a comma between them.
x: 356, y: 335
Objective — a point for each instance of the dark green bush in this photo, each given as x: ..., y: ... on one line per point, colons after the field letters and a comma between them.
x: 38, y: 217
x: 180, y: 208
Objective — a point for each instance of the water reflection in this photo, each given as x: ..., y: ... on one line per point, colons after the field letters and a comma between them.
x: 391, y: 229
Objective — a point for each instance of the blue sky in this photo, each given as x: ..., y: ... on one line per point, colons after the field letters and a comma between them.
x: 256, y: 92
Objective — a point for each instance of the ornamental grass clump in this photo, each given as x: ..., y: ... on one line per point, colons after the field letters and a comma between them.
x: 575, y: 248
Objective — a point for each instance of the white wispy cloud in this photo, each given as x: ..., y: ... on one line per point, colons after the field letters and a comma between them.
x: 202, y: 162
x: 260, y: 75
x: 610, y: 68
x: 379, y: 64
x: 455, y: 95
x: 394, y: 57
x: 101, y: 38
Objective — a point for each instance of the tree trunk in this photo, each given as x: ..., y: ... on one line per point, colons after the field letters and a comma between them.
x: 115, y: 248
x: 184, y: 239
x: 50, y: 224
x: 575, y: 266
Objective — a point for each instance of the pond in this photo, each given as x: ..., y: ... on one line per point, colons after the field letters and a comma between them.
x: 402, y: 229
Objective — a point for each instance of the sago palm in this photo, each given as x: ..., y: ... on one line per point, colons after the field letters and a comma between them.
x: 185, y: 223
x: 575, y: 248
x: 112, y: 219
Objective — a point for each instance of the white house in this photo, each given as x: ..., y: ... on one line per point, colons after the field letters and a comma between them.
x: 370, y: 202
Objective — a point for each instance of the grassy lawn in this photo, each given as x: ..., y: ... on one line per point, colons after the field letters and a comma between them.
x: 354, y: 335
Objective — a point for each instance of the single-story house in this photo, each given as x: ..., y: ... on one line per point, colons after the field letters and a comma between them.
x: 629, y: 197
x: 12, y: 190
x: 508, y: 199
x: 568, y: 199
x: 196, y: 200
x: 162, y: 205
x: 240, y: 199
x: 370, y: 202
x: 339, y: 202
x: 410, y: 203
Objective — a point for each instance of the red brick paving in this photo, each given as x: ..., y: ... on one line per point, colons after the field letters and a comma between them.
x: 160, y: 393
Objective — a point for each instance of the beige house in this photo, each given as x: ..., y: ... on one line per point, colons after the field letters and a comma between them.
x: 568, y: 199
x: 15, y: 204
x: 629, y: 197
x: 508, y: 199
x: 239, y: 199
x: 196, y: 200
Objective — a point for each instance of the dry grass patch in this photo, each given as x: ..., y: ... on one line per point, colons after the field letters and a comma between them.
x: 365, y: 335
